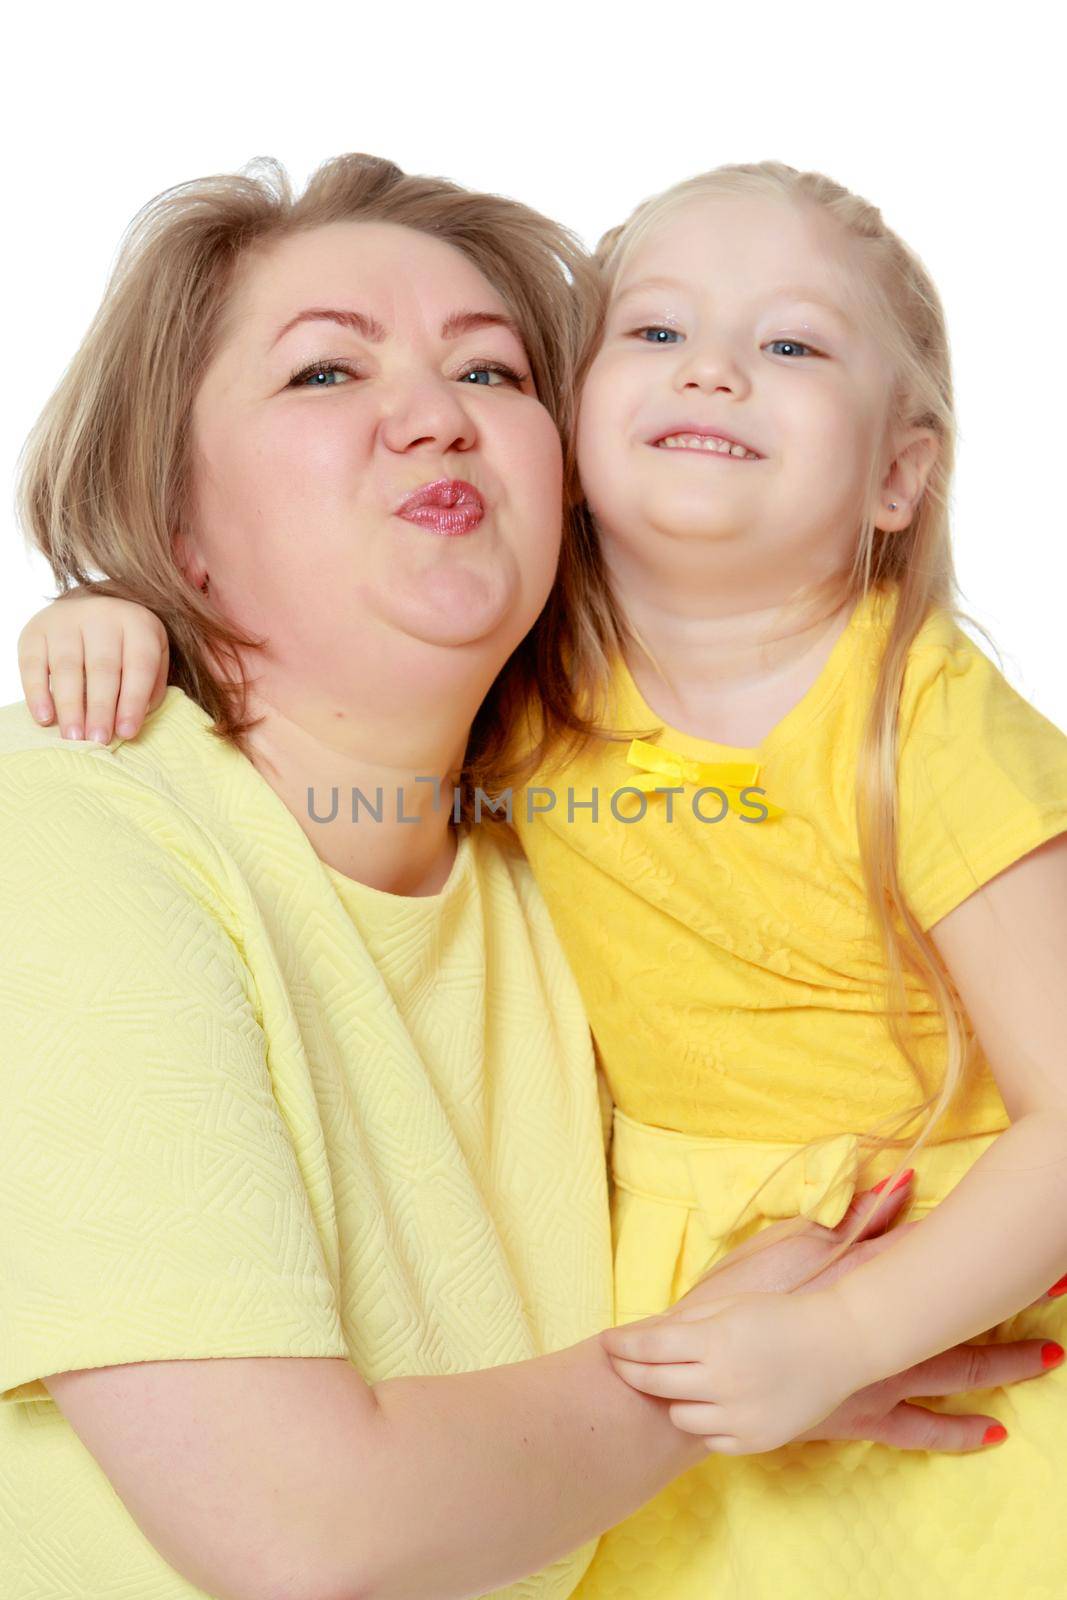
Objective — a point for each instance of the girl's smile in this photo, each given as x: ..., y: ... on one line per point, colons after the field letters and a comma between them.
x: 694, y: 438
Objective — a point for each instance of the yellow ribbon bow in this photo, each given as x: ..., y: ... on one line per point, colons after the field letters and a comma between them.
x: 817, y: 1184
x: 660, y: 768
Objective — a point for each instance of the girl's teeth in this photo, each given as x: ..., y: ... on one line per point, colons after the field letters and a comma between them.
x: 696, y: 441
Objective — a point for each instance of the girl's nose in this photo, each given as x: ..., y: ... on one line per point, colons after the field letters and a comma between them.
x: 428, y: 414
x: 712, y: 371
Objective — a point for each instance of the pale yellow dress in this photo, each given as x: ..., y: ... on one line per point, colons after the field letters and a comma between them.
x: 249, y: 1107
x: 727, y: 970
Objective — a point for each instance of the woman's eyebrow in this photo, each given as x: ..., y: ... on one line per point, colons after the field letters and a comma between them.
x: 467, y: 321
x: 370, y: 328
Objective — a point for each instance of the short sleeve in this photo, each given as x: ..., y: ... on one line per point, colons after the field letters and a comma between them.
x: 151, y: 1204
x: 982, y: 775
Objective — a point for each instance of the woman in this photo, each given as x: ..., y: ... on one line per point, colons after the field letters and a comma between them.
x: 305, y: 1248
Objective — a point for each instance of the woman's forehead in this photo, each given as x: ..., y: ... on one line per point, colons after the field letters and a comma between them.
x: 382, y: 267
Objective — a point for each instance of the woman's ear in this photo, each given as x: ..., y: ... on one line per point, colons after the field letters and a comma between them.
x: 190, y: 564
x: 905, y: 479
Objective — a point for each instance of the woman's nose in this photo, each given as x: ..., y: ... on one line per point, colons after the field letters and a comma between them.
x: 428, y: 414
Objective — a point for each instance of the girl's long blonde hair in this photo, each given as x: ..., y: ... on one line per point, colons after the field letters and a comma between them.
x: 917, y: 562
x: 105, y: 474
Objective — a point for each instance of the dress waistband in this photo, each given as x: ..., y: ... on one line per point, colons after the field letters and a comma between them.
x: 716, y: 1176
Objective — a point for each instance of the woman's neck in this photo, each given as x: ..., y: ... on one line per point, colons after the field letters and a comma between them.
x: 371, y: 812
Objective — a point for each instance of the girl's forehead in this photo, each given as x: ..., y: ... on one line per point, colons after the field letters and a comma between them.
x: 759, y: 243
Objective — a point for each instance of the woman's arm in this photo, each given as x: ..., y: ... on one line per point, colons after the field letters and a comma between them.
x: 290, y: 1479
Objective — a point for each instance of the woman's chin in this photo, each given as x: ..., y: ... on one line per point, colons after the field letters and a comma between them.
x: 452, y: 607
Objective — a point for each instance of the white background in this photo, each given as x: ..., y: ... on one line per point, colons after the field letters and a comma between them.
x: 948, y: 121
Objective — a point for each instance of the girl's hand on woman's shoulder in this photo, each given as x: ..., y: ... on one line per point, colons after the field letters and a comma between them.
x: 107, y: 660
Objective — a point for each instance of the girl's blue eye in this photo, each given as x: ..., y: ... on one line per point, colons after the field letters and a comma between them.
x: 659, y: 335
x: 791, y: 347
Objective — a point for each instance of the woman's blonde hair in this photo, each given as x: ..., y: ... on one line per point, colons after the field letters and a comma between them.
x: 105, y: 476
x: 917, y: 562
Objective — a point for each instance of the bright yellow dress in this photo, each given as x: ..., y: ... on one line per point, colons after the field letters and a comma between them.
x: 251, y: 1107
x: 726, y: 967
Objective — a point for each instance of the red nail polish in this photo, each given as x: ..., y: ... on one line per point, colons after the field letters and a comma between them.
x: 1059, y: 1287
x: 905, y: 1177
x: 1051, y: 1354
x: 995, y: 1433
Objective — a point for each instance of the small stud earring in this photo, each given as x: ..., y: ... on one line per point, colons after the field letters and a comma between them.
x: 892, y: 505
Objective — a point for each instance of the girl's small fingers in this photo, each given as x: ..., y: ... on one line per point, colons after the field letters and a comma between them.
x: 140, y: 676
x: 67, y: 665
x: 103, y: 672
x: 33, y: 670
x: 667, y: 1341
x: 681, y: 1381
x: 698, y: 1416
x: 723, y: 1444
x: 159, y: 687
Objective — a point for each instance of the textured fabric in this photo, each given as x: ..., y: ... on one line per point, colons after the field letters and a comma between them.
x: 728, y: 970
x: 254, y: 1108
x: 848, y: 1521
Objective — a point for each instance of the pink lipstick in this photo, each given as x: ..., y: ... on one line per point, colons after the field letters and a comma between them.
x: 448, y: 506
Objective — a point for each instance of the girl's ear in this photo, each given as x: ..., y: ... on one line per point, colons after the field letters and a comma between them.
x: 902, y: 486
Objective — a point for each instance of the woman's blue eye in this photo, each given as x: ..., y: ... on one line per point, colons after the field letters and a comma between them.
x: 328, y: 374
x: 323, y: 375
x: 482, y: 375
x: 658, y: 335
x: 791, y: 347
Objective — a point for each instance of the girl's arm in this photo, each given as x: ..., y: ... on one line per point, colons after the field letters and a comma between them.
x: 107, y: 660
x: 1006, y: 949
x: 752, y: 1371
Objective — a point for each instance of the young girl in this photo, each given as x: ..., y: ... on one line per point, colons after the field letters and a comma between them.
x: 831, y: 860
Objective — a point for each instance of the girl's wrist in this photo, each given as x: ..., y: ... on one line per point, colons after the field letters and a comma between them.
x: 857, y: 1332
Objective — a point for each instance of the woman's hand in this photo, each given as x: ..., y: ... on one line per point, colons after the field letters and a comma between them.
x: 879, y: 1412
x: 108, y: 661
